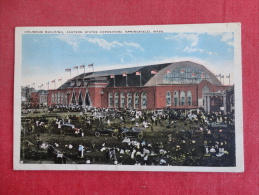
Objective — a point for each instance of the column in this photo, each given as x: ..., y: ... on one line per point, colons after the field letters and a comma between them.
x: 224, y: 103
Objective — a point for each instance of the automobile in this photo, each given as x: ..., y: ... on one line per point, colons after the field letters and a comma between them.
x: 132, y: 132
x: 69, y: 129
x: 106, y: 131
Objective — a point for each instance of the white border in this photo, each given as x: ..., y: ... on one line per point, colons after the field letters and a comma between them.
x: 196, y: 28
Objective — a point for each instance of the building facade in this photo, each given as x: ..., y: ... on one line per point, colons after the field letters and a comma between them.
x: 181, y: 85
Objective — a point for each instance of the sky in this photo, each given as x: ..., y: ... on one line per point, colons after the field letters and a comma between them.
x: 46, y: 56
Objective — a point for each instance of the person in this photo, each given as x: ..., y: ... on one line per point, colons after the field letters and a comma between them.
x: 81, y: 151
x: 81, y: 132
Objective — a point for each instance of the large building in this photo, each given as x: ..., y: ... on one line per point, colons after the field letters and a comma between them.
x: 180, y: 85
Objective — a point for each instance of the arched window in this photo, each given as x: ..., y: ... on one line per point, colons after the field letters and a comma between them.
x: 116, y: 100
x: 182, y: 96
x: 58, y: 98
x: 110, y: 100
x: 80, y: 99
x: 73, y: 101
x: 62, y: 98
x: 129, y: 100
x: 168, y: 98
x: 176, y: 100
x: 52, y: 98
x: 65, y: 98
x: 136, y: 100
x: 143, y: 100
x: 122, y: 100
x: 189, y: 98
x: 205, y: 89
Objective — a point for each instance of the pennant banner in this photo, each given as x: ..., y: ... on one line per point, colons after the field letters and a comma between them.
x: 153, y: 72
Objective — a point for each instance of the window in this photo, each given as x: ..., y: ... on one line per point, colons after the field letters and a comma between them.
x: 56, y: 98
x: 136, y: 100
x: 129, y: 100
x: 80, y: 99
x: 73, y: 98
x: 58, y: 101
x: 183, y: 75
x: 52, y: 98
x: 116, y: 99
x: 189, y: 98
x: 176, y: 101
x: 110, y: 100
x: 168, y: 98
x: 182, y: 96
x: 62, y: 98
x: 144, y: 100
x: 122, y: 100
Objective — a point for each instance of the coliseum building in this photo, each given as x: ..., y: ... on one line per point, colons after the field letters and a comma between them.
x: 180, y: 85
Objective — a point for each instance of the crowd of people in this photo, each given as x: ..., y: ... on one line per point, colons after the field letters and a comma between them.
x: 170, y: 138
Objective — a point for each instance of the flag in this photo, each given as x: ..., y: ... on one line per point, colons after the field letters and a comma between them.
x: 218, y: 75
x: 75, y: 67
x: 60, y: 79
x: 228, y: 76
x: 193, y: 74
x: 112, y: 76
x: 82, y: 66
x: 168, y: 71
x: 90, y: 65
x: 153, y: 72
x: 138, y: 73
x: 68, y: 69
x: 53, y: 81
x: 182, y: 71
x: 202, y: 75
x: 124, y: 74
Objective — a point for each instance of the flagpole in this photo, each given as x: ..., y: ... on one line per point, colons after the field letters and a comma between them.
x: 140, y: 80
x: 93, y: 69
x: 84, y: 70
x: 156, y: 78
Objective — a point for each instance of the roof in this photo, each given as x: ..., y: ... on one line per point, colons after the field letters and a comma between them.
x: 147, y: 79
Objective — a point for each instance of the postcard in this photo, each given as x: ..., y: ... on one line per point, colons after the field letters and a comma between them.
x: 129, y: 98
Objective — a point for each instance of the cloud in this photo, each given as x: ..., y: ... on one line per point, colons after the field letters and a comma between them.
x: 74, y: 41
x: 71, y: 40
x: 109, y: 45
x: 136, y: 45
x: 192, y: 38
x: 104, y: 44
x: 227, y: 37
x: 192, y: 50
